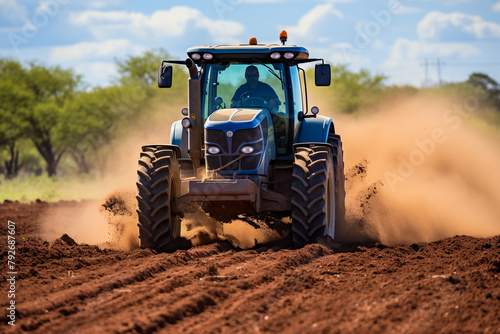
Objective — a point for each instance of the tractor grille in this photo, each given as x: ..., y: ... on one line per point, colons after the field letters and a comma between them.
x: 245, y: 136
x: 217, y: 137
x: 253, y: 137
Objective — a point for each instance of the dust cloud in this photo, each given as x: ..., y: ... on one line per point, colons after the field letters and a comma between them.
x: 83, y: 223
x: 244, y: 232
x: 111, y: 219
x: 110, y: 223
x: 417, y: 171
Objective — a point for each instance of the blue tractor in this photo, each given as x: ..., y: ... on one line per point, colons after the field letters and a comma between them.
x: 248, y: 144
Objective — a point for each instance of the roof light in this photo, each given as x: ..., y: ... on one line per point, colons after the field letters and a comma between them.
x: 186, y: 122
x: 289, y: 55
x: 283, y: 36
x: 275, y: 55
x: 185, y: 111
x: 195, y: 56
x: 208, y: 56
x: 252, y: 41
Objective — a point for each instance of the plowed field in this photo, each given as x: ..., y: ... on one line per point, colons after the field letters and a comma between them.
x: 448, y: 286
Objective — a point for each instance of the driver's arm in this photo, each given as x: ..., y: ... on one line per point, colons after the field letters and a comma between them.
x: 236, y: 97
x: 274, y: 100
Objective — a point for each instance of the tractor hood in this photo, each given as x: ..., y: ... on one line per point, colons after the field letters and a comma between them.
x: 232, y: 130
x: 237, y: 115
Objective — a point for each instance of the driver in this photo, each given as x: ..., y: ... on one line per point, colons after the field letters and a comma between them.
x: 255, y: 88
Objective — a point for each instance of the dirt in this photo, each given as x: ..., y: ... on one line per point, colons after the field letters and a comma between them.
x: 66, y: 286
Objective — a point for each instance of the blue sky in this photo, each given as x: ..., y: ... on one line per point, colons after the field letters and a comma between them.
x: 383, y: 36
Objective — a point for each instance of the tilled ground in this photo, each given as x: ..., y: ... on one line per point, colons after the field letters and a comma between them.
x: 448, y: 286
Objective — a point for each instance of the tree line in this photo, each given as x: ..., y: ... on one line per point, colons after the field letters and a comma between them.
x: 48, y: 114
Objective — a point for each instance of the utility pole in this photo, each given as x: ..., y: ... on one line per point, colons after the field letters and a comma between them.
x: 438, y: 65
x: 426, y: 65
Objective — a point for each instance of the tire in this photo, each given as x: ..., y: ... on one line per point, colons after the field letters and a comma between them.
x: 340, y: 194
x: 158, y: 185
x: 313, y: 195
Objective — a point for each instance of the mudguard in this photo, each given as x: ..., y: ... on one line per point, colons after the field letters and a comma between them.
x: 179, y: 137
x: 313, y: 130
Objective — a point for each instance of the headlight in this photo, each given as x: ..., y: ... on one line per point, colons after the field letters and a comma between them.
x: 186, y: 122
x: 195, y: 56
x: 289, y: 55
x: 213, y: 150
x: 208, y: 56
x: 247, y: 149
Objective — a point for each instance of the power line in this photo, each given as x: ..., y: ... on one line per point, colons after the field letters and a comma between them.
x: 415, y: 65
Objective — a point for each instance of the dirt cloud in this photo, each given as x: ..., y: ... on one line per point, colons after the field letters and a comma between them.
x: 428, y: 173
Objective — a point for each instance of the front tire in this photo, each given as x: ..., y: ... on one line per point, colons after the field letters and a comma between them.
x: 313, y: 195
x: 338, y: 160
x: 158, y: 186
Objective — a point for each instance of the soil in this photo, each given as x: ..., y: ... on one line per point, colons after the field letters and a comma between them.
x: 448, y: 286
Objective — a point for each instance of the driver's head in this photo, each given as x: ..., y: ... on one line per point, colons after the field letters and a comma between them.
x: 252, y: 74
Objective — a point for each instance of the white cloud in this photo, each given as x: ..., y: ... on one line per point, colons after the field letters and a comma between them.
x: 404, y: 51
x: 436, y: 26
x: 336, y: 54
x: 309, y: 25
x: 406, y: 56
x: 99, y: 4
x: 341, y: 1
x: 160, y: 24
x: 11, y: 10
x: 93, y: 51
x: 260, y: 1
x: 354, y: 62
x: 496, y: 6
x: 97, y: 72
x: 274, y: 1
x: 400, y: 9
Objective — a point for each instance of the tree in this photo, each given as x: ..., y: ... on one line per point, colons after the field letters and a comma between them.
x: 94, y: 119
x: 142, y: 69
x: 488, y: 86
x: 141, y: 73
x: 352, y: 89
x: 15, y: 99
x: 46, y: 122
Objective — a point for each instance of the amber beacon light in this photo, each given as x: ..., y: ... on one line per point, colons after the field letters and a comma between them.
x: 283, y: 36
x: 252, y: 41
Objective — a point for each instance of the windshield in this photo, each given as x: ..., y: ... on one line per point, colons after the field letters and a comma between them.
x: 239, y: 85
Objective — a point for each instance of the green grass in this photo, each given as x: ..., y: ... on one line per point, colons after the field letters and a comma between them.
x: 28, y: 189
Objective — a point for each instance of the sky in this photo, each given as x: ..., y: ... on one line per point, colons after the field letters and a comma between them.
x: 394, y: 38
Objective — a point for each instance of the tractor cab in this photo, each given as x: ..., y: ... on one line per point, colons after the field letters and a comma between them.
x: 236, y: 79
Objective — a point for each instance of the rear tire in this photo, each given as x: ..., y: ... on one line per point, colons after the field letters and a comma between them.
x: 158, y: 186
x: 313, y: 195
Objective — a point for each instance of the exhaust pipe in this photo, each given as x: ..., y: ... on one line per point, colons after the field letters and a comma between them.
x: 193, y: 70
x: 194, y: 106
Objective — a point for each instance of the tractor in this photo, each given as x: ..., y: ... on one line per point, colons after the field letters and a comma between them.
x: 247, y: 144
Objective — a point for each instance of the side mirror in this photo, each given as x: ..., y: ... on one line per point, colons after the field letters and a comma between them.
x: 322, y: 75
x: 165, y: 76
